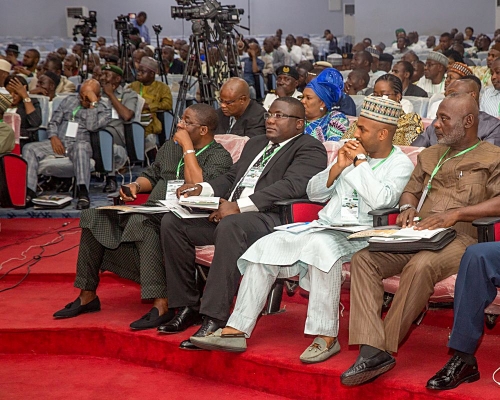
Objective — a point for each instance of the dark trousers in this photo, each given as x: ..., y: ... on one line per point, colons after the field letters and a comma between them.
x: 475, y: 288
x: 231, y: 237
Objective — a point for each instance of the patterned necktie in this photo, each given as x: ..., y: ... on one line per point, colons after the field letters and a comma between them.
x: 232, y: 121
x: 261, y: 162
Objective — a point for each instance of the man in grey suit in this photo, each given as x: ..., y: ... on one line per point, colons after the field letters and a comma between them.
x: 275, y: 52
x: 273, y: 167
x: 238, y: 114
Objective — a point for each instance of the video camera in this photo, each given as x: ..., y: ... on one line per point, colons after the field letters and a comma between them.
x: 207, y: 10
x: 122, y: 22
x: 88, y: 27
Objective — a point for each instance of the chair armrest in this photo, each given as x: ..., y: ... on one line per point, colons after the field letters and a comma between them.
x: 384, y: 216
x: 298, y: 210
x: 488, y: 229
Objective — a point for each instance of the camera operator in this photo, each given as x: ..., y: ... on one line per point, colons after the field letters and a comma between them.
x: 138, y: 23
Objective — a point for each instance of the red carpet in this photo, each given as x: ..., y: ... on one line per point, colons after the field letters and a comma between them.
x: 111, y: 358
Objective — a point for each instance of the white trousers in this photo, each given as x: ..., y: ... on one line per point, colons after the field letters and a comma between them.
x: 324, y: 297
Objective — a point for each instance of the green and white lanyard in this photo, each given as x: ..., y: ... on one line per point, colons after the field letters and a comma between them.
x: 181, y: 162
x: 355, y: 194
x: 438, y: 167
x: 75, y: 111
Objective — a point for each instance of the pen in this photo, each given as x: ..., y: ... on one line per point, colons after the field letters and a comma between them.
x: 293, y: 226
x: 189, y: 190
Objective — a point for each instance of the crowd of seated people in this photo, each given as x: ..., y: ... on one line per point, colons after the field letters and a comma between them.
x: 285, y: 158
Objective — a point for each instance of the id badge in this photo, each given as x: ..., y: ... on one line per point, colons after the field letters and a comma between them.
x: 172, y: 186
x: 350, y: 210
x: 114, y: 113
x: 251, y: 178
x: 72, y: 129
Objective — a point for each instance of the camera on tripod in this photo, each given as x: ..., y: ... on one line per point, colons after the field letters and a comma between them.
x: 208, y: 10
x: 122, y: 23
x: 88, y: 26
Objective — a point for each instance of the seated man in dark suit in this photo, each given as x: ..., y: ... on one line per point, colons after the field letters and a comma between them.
x: 238, y: 114
x: 129, y: 244
x: 273, y: 167
x: 489, y: 126
x: 476, y: 287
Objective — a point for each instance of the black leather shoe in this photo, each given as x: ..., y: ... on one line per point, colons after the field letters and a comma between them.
x: 75, y: 308
x: 455, y: 372
x: 367, y: 369
x: 83, y: 203
x: 209, y: 326
x: 111, y: 186
x: 184, y: 318
x: 152, y: 319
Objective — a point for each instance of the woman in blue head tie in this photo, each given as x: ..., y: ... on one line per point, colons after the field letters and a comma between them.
x: 319, y: 98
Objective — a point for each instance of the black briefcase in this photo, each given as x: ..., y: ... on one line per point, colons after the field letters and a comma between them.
x: 437, y: 242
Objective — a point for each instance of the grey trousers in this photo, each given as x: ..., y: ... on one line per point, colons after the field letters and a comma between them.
x: 79, y: 154
x: 324, y: 297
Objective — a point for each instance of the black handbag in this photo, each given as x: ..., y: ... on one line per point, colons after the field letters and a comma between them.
x: 437, y: 242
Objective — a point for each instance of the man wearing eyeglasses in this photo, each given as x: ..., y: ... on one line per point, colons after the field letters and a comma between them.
x: 434, y: 73
x: 238, y: 114
x: 129, y: 244
x: 273, y: 167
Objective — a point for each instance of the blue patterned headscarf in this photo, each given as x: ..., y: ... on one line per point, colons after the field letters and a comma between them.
x: 328, y: 86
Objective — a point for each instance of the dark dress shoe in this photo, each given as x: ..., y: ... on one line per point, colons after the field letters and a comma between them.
x: 75, y: 308
x: 152, y: 319
x: 184, y: 318
x: 367, y: 369
x: 83, y: 203
x: 455, y: 372
x: 111, y: 186
x: 209, y: 326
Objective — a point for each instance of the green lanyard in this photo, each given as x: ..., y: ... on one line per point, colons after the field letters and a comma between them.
x: 181, y: 162
x: 440, y: 164
x: 383, y: 161
x: 270, y: 155
x: 141, y: 90
x: 1, y: 120
x: 75, y: 111
x: 354, y: 192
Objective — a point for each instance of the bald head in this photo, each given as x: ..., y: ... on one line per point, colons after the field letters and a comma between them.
x: 93, y: 85
x: 236, y: 86
x: 464, y: 86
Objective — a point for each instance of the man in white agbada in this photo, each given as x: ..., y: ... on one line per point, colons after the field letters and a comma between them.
x: 368, y: 174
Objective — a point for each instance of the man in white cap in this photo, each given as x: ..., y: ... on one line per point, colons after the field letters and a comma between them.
x: 434, y: 73
x: 369, y: 182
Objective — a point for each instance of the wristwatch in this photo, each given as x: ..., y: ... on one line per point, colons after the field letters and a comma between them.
x: 359, y: 157
x: 188, y: 152
x: 27, y: 100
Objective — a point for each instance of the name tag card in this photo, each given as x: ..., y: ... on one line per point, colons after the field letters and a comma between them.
x: 114, y: 114
x: 350, y: 209
x: 251, y: 178
x: 72, y: 129
x: 172, y: 186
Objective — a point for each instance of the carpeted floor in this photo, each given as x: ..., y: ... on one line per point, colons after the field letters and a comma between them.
x: 51, y: 352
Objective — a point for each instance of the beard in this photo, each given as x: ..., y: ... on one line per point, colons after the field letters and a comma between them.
x: 457, y: 134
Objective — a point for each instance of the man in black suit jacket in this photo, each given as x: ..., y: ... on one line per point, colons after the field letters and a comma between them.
x: 263, y: 174
x: 238, y: 114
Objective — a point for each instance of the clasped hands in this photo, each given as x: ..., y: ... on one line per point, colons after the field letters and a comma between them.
x: 225, y: 207
x: 348, y: 153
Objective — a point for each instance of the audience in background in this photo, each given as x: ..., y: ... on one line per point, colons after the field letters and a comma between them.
x: 7, y: 136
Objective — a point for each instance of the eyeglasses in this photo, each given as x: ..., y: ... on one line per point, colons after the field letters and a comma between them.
x: 181, y: 121
x: 279, y: 116
x: 227, y: 102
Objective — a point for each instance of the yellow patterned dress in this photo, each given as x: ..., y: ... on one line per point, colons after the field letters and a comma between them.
x: 409, y: 127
